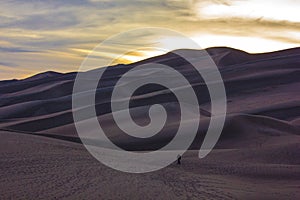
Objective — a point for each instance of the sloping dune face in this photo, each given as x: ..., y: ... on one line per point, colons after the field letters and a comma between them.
x: 262, y: 92
x: 256, y: 157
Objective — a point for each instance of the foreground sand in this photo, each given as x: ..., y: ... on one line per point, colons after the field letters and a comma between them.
x: 37, y: 167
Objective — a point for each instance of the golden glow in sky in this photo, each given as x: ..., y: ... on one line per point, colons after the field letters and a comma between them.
x: 37, y: 36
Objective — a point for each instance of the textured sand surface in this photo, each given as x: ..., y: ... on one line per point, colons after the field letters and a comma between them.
x: 35, y: 167
x: 256, y: 157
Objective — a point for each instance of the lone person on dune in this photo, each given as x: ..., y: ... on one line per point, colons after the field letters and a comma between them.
x: 178, y: 159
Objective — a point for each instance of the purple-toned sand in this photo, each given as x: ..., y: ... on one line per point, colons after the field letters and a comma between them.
x: 256, y: 157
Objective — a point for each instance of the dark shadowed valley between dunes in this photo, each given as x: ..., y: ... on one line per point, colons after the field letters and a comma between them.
x: 256, y: 157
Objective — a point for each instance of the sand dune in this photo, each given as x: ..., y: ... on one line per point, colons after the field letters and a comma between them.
x: 256, y: 156
x: 258, y: 84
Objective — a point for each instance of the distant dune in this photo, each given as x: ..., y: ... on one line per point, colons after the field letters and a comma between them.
x: 256, y: 84
x: 259, y: 144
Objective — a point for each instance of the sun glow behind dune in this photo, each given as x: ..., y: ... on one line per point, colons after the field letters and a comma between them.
x: 138, y: 55
x: 249, y: 44
x: 164, y: 45
x: 129, y: 57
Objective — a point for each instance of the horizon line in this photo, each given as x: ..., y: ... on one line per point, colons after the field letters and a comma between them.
x: 144, y: 59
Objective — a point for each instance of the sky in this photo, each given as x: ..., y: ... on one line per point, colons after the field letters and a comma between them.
x: 57, y: 35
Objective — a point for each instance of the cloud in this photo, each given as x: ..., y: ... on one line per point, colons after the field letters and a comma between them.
x: 48, y: 21
x: 7, y: 64
x: 50, y: 30
x: 15, y: 50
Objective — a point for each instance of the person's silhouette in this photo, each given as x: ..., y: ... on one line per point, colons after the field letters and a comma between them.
x: 178, y: 159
